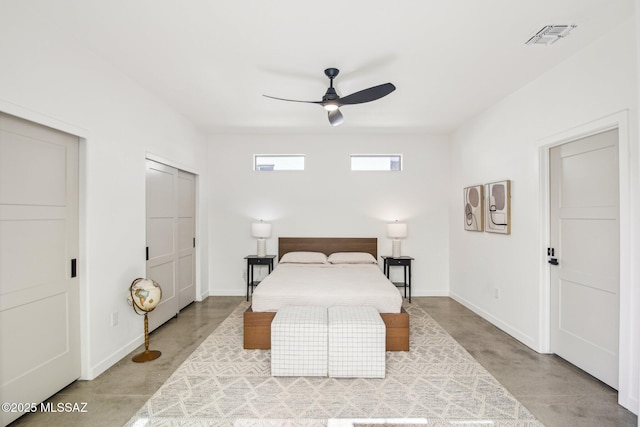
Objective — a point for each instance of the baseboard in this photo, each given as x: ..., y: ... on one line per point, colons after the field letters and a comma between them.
x: 499, y: 323
x: 631, y: 403
x: 429, y: 293
x: 114, y: 358
x: 228, y: 292
x: 234, y: 293
x: 203, y: 296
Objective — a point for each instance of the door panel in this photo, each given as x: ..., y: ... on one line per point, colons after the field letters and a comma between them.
x: 161, y: 200
x: 170, y: 232
x: 38, y: 165
x: 581, y: 320
x: 186, y: 281
x: 28, y: 243
x: 186, y: 233
x: 54, y: 337
x: 160, y: 237
x: 579, y: 260
x: 39, y: 300
x: 585, y: 284
x: 186, y: 236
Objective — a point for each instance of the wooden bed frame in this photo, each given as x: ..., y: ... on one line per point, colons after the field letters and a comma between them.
x: 257, y: 325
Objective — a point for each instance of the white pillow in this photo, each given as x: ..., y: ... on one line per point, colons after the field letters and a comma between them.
x: 302, y: 257
x: 352, y: 258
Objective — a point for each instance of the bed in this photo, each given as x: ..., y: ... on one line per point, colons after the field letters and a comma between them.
x: 344, y: 283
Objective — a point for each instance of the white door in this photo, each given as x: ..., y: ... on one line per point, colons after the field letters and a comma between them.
x: 186, y: 238
x: 39, y: 298
x: 170, y: 198
x: 162, y: 253
x: 585, y: 244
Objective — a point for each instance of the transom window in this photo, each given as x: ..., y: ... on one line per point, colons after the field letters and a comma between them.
x: 280, y: 162
x: 376, y: 162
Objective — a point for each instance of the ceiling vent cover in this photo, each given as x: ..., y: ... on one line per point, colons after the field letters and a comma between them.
x: 550, y: 34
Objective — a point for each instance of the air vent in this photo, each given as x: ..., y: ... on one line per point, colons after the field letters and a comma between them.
x: 550, y: 34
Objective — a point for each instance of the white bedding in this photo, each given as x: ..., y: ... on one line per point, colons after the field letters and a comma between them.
x: 327, y: 285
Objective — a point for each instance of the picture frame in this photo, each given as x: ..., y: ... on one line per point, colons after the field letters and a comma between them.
x: 474, y: 208
x: 498, y: 207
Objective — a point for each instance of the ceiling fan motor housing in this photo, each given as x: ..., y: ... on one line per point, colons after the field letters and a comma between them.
x: 330, y: 95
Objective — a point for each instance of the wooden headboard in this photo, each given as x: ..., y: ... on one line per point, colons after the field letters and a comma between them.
x: 328, y: 245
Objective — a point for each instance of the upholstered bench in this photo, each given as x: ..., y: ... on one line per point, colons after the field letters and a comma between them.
x: 356, y: 342
x: 299, y: 342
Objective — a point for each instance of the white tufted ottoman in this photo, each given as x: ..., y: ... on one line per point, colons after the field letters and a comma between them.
x: 299, y: 342
x: 356, y: 342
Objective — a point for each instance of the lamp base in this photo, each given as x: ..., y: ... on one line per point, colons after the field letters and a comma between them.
x: 262, y: 247
x: 146, y: 356
x: 395, y: 249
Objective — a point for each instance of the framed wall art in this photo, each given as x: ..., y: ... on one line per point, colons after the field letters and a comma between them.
x: 474, y: 208
x: 498, y: 207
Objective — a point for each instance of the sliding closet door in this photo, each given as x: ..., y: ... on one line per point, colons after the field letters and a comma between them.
x: 186, y: 238
x: 170, y: 198
x: 39, y: 287
x: 162, y: 254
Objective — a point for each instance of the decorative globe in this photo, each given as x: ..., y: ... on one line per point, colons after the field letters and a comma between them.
x: 144, y: 295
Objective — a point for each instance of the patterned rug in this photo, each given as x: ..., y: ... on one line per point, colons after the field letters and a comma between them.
x: 221, y: 384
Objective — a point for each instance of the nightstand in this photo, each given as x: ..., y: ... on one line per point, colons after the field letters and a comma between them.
x: 405, y: 263
x: 256, y: 260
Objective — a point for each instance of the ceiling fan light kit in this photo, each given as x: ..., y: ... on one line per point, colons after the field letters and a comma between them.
x: 332, y: 102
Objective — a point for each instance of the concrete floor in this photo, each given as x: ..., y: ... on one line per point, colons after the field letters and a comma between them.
x: 556, y: 392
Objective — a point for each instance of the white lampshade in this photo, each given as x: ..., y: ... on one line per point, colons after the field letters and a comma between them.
x: 261, y: 230
x: 397, y: 230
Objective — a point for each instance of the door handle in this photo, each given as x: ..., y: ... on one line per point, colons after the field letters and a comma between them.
x: 553, y: 261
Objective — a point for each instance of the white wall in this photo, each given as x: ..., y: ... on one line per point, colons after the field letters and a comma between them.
x: 502, y: 143
x: 54, y: 81
x: 327, y: 199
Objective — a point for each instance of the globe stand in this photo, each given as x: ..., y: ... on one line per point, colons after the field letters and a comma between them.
x: 147, y: 355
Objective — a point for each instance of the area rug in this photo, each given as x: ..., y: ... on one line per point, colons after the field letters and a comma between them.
x: 221, y: 384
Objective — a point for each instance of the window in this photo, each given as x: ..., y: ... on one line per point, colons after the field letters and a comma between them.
x: 376, y: 162
x: 282, y: 162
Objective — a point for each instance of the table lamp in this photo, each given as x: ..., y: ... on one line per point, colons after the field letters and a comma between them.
x: 261, y: 230
x: 396, y: 230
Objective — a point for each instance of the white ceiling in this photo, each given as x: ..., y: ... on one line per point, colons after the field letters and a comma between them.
x: 212, y: 60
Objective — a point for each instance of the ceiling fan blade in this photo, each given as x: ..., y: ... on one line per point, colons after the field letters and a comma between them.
x: 335, y: 117
x: 368, y: 95
x: 292, y: 100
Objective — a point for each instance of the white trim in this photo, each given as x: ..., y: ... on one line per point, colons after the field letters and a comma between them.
x: 527, y: 340
x: 42, y: 119
x: 168, y: 162
x: 619, y: 120
x: 114, y: 358
x: 83, y: 248
x: 427, y: 292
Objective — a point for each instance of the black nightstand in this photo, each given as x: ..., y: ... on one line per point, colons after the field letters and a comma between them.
x: 256, y: 260
x: 402, y: 261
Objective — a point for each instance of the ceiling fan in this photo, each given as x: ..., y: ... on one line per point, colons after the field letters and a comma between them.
x: 331, y: 101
